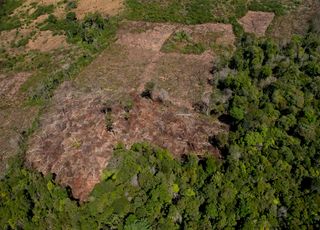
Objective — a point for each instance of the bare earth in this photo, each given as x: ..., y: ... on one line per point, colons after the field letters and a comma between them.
x: 256, y: 22
x: 73, y: 141
x: 45, y: 42
x: 105, y: 7
x: 74, y: 144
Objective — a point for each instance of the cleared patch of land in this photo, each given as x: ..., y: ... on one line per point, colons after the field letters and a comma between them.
x: 80, y: 130
x: 256, y: 22
x: 104, y: 106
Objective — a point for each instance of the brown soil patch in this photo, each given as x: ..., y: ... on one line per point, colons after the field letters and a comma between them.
x: 7, y: 37
x: 11, y: 36
x: 74, y: 144
x: 183, y: 76
x: 147, y: 35
x: 10, y: 85
x: 60, y: 11
x: 45, y: 42
x: 256, y: 22
x: 73, y: 141
x: 105, y: 7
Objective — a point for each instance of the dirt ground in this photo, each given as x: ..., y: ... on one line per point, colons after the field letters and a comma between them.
x: 256, y: 22
x: 145, y: 35
x: 45, y: 41
x: 105, y: 7
x: 74, y: 142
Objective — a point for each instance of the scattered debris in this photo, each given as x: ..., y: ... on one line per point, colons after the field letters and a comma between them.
x: 85, y: 122
x: 77, y: 116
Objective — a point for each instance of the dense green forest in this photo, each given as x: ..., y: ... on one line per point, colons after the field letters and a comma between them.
x: 268, y: 176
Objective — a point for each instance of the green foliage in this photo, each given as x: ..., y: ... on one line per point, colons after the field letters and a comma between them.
x: 94, y: 32
x: 182, y: 42
x: 268, y: 5
x: 7, y: 20
x: 201, y: 11
x: 137, y: 225
x: 277, y: 130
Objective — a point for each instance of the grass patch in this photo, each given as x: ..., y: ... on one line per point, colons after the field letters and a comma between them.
x: 201, y: 11
x: 269, y: 6
x: 12, y: 62
x: 191, y: 43
x: 7, y: 21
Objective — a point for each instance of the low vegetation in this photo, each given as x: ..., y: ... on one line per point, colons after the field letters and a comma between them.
x: 201, y: 11
x: 7, y: 21
x: 182, y: 42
